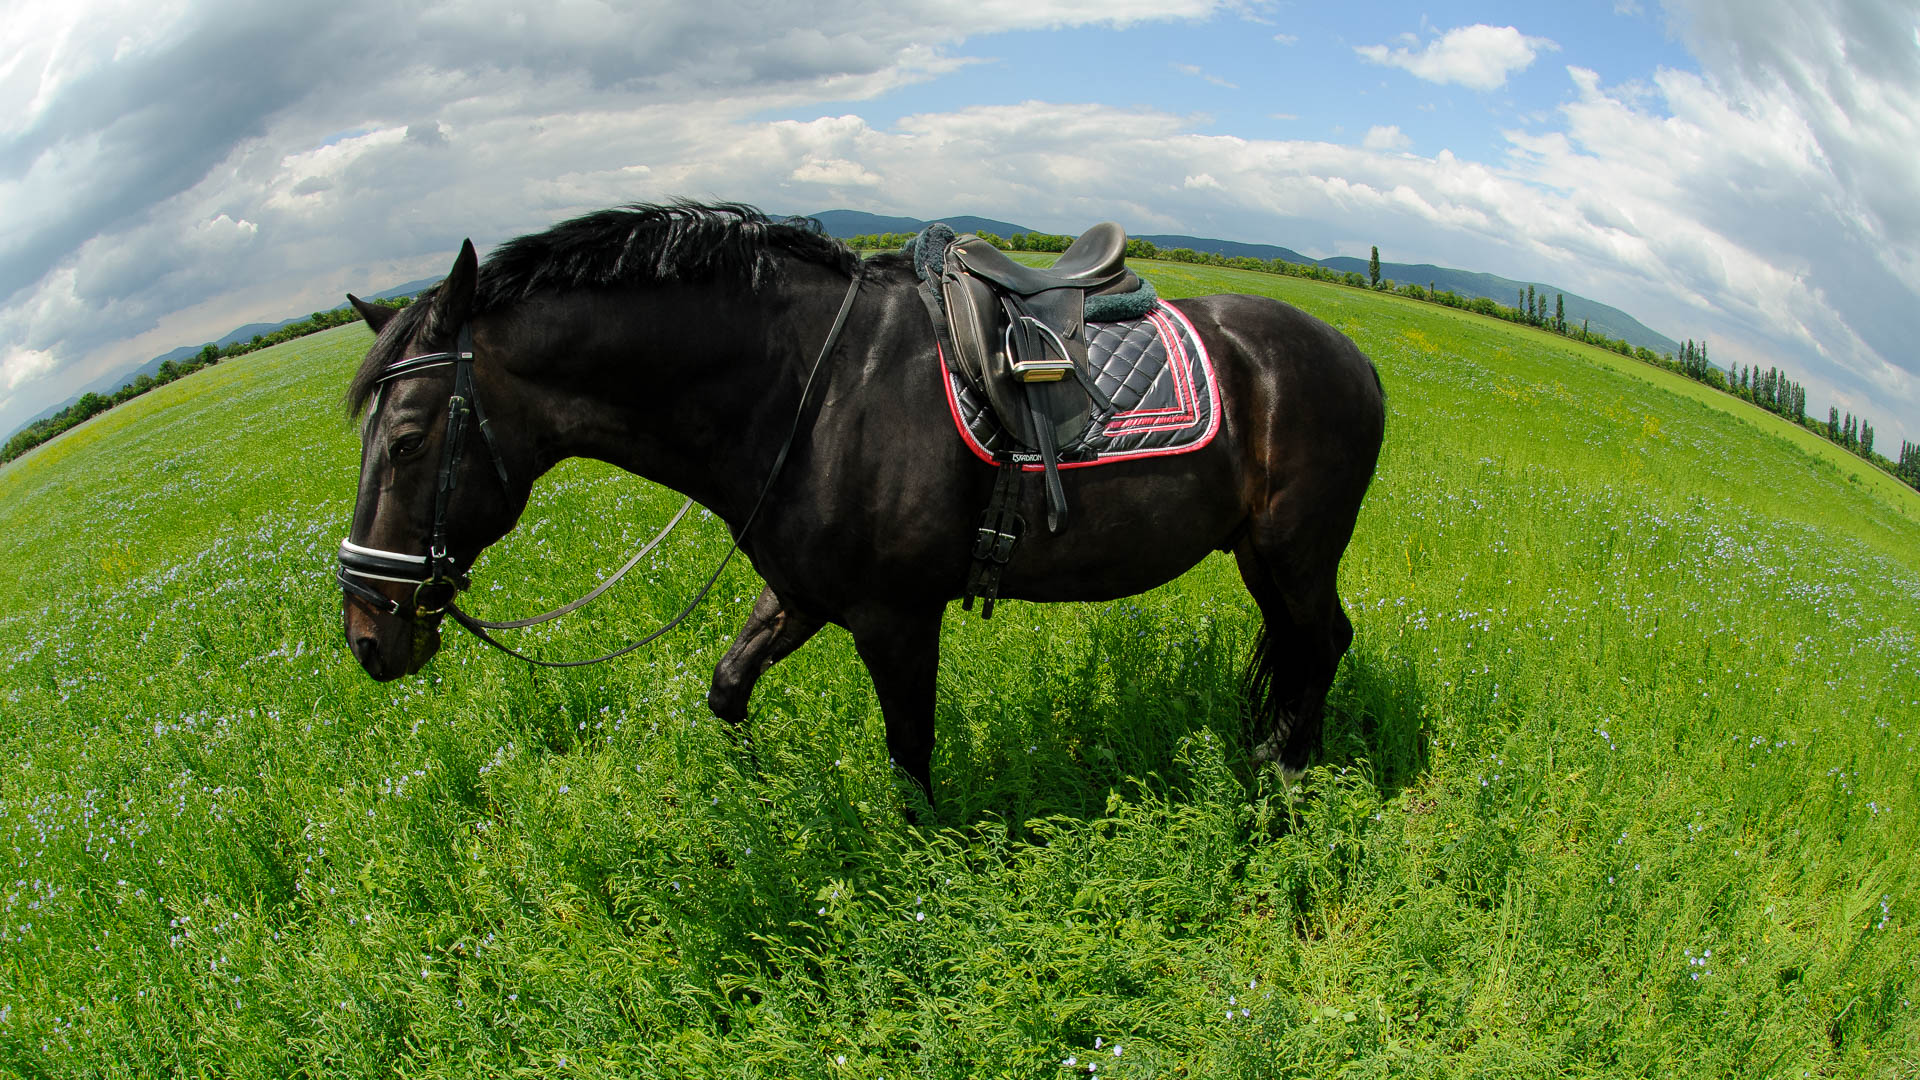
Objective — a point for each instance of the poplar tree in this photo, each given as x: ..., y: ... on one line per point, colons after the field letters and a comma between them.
x: 1373, y: 267
x: 1560, y: 312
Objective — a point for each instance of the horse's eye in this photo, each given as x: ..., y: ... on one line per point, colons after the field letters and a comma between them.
x: 408, y: 445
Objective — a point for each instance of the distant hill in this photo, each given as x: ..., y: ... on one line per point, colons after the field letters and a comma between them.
x: 1599, y: 317
x: 845, y: 223
x: 112, y: 383
x: 1233, y: 249
x: 411, y: 288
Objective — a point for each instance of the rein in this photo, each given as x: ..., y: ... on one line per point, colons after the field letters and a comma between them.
x: 437, y: 578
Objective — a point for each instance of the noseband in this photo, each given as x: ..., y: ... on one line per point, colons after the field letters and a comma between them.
x: 437, y: 578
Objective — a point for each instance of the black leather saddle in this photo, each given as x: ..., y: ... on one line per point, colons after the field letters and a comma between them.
x: 1019, y: 334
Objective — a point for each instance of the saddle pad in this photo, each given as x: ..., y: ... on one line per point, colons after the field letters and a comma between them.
x: 1158, y: 375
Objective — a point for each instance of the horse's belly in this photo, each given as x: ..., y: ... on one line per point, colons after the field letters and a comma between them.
x: 1120, y: 540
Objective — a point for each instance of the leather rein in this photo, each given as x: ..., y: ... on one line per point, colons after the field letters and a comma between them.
x: 438, y: 578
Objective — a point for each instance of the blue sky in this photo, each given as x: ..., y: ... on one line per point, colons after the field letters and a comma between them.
x: 1293, y: 73
x: 1738, y: 170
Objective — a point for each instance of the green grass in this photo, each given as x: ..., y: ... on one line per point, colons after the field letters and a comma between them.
x: 1634, y: 682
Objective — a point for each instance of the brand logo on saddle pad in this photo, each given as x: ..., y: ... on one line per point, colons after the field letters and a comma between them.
x: 1155, y: 370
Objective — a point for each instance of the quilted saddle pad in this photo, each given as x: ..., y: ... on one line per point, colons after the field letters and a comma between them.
x: 1155, y: 370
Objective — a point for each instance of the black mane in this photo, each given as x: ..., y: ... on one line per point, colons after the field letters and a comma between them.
x: 644, y: 244
x: 640, y: 244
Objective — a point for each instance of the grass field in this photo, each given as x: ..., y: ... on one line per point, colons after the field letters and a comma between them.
x: 1621, y: 778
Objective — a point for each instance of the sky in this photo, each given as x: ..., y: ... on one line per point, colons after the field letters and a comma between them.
x: 1739, y: 171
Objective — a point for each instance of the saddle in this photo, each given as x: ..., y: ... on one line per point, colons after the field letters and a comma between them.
x: 1018, y: 333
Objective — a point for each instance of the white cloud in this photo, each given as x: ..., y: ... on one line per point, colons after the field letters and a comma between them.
x: 126, y: 136
x: 1386, y: 137
x: 24, y: 365
x: 1479, y: 57
x: 1199, y: 72
x: 1768, y: 204
x: 834, y: 172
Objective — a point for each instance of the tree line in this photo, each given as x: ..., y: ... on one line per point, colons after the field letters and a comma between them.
x: 92, y: 404
x: 1908, y: 467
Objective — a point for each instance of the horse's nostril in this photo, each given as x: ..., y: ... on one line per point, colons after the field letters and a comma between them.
x: 368, y: 651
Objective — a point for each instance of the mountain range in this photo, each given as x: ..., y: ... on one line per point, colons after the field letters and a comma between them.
x: 1600, y: 318
x: 113, y: 383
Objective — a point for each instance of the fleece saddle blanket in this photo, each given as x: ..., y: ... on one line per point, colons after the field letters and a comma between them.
x: 1155, y: 370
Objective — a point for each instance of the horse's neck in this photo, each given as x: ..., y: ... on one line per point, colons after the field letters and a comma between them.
x: 692, y: 388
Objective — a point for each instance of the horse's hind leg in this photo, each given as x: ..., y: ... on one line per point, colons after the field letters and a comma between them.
x: 772, y: 632
x: 1305, y: 633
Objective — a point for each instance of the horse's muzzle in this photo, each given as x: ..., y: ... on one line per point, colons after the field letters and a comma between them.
x: 389, y: 646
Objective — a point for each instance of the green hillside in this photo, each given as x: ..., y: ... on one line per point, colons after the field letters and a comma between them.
x: 1619, y: 782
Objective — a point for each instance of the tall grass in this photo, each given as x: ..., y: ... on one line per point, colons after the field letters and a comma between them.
x: 1620, y: 777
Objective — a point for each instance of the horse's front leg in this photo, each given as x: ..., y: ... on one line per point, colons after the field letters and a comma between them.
x: 772, y: 632
x: 901, y: 648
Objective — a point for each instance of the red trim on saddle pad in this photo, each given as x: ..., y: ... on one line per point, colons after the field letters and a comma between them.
x: 1195, y: 409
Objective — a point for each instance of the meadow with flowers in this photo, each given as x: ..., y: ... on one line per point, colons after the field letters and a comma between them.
x: 1621, y: 773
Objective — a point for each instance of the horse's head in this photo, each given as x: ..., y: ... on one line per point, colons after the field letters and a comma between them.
x: 434, y: 490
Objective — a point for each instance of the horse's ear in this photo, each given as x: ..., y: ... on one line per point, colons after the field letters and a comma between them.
x: 453, y: 302
x: 377, y: 315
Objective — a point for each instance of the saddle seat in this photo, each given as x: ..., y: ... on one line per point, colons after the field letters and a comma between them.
x: 1094, y: 261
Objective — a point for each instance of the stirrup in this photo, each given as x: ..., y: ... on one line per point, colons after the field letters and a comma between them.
x: 1045, y: 368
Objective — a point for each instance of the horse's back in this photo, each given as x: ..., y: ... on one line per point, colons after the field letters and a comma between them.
x: 1276, y: 359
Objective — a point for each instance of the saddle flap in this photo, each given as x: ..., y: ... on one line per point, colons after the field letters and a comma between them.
x: 973, y: 315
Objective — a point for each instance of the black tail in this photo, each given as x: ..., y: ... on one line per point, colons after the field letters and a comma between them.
x: 1256, y: 681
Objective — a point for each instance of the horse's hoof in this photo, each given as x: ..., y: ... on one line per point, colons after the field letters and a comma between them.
x: 1266, y: 751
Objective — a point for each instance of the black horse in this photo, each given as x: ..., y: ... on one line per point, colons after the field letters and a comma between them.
x: 675, y: 342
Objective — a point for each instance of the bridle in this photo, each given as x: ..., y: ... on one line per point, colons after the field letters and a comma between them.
x: 435, y: 576
x: 438, y: 578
